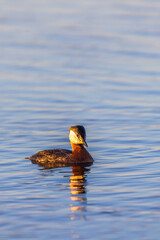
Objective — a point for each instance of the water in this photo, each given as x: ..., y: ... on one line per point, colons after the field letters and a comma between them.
x: 94, y: 63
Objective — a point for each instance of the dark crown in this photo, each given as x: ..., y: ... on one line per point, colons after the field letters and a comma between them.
x: 79, y: 130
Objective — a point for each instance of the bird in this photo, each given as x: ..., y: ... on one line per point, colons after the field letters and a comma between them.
x: 63, y: 157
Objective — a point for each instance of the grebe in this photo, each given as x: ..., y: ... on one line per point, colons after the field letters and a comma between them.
x: 62, y: 157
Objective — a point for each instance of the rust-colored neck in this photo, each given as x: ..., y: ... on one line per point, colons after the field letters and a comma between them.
x: 77, y: 147
x: 80, y: 154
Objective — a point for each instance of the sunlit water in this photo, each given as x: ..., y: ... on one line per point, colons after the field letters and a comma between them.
x: 95, y: 63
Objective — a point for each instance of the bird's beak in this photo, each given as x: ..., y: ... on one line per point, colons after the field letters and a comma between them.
x: 85, y: 143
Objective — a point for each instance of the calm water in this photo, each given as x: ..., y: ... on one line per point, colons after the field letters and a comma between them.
x: 95, y: 63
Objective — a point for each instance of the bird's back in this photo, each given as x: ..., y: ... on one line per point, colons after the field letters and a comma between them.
x: 51, y: 155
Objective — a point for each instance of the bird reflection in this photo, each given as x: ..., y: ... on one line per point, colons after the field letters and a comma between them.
x: 77, y: 185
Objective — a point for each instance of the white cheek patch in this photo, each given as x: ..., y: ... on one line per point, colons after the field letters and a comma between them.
x: 73, y: 137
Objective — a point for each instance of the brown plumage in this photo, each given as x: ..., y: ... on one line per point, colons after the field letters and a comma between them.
x: 62, y: 157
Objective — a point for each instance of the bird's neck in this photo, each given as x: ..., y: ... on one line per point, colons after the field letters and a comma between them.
x: 77, y: 147
x: 80, y: 154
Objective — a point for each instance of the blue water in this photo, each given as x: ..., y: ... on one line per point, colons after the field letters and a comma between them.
x: 95, y: 63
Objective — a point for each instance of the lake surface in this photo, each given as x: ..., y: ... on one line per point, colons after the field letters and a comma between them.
x: 94, y: 63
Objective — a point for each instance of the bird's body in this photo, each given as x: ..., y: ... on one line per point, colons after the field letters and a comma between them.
x: 62, y: 157
x: 51, y: 155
